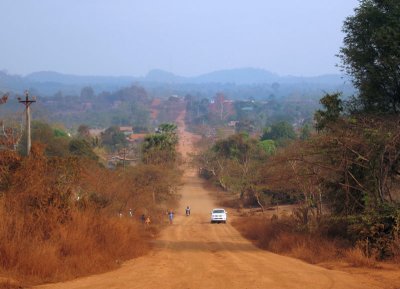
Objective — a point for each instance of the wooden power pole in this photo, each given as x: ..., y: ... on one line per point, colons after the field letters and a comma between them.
x: 27, y: 102
x: 124, y: 153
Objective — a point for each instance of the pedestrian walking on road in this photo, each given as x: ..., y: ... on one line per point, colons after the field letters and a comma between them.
x: 187, y: 211
x: 171, y: 216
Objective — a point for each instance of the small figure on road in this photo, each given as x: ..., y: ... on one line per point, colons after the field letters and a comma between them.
x: 187, y: 211
x: 148, y: 221
x: 171, y: 216
x: 143, y: 218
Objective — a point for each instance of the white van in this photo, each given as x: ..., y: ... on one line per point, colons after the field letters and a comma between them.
x: 218, y: 216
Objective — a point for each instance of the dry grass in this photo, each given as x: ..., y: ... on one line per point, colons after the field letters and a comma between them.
x: 396, y: 251
x: 59, y: 216
x: 281, y: 238
x: 357, y: 258
x: 86, y: 244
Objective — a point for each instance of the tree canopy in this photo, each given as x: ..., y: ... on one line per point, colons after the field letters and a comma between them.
x: 160, y: 148
x: 371, y: 55
x: 113, y: 138
x: 332, y: 108
x: 280, y: 132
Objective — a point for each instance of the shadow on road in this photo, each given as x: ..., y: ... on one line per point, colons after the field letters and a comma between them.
x: 180, y: 246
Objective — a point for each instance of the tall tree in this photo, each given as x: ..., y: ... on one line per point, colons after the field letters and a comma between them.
x: 371, y: 55
x: 55, y: 140
x: 113, y: 138
x: 281, y: 132
x: 87, y: 92
x: 82, y: 148
x: 332, y: 108
x: 160, y: 148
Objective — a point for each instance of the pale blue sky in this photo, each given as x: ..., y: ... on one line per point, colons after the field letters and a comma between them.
x: 130, y: 37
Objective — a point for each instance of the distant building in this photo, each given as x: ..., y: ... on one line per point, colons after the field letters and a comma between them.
x: 233, y: 123
x: 136, y: 137
x: 174, y: 97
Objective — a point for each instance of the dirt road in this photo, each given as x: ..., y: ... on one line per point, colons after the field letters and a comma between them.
x: 192, y: 253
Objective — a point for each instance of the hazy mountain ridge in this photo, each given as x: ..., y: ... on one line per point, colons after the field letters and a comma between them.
x: 240, y: 76
x: 49, y: 82
x: 56, y: 77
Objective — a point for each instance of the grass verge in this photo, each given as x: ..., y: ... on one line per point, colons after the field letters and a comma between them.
x: 281, y: 237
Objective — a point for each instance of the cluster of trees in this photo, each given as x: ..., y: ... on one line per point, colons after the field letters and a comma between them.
x: 233, y: 163
x: 128, y: 106
x: 160, y: 148
x: 349, y: 171
x: 58, y: 143
x: 169, y: 109
x: 254, y: 115
x: 346, y: 176
x: 236, y: 162
x: 197, y: 110
x: 250, y: 116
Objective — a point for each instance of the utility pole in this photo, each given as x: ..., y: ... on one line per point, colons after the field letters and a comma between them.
x: 27, y: 102
x: 124, y: 152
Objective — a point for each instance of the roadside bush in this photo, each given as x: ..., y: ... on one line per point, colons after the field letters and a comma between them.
x: 357, y: 258
x: 377, y: 232
x: 284, y: 237
x: 334, y: 239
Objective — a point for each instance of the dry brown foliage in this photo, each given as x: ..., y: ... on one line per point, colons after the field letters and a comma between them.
x: 358, y: 157
x: 356, y: 257
x: 281, y: 237
x: 61, y: 216
x: 87, y: 243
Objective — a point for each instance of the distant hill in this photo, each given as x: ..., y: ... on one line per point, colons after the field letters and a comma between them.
x: 238, y: 76
x: 161, y: 76
x: 55, y: 77
x: 49, y: 82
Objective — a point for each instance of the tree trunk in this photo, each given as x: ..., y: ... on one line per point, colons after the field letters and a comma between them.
x: 257, y: 195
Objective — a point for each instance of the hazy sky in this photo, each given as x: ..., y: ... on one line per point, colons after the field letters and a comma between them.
x: 131, y: 37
